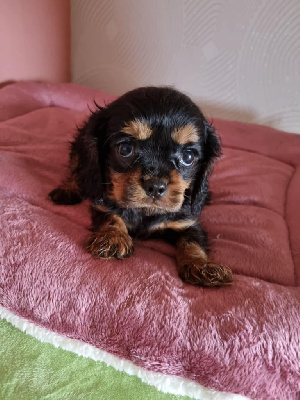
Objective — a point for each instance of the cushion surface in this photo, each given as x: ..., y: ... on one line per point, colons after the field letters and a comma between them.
x: 241, y: 339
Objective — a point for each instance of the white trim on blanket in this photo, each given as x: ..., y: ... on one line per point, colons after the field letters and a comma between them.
x: 165, y: 383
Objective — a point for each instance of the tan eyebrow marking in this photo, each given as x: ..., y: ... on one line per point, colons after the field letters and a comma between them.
x: 138, y: 129
x: 185, y: 134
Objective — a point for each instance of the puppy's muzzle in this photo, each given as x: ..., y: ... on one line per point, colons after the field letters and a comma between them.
x: 154, y: 188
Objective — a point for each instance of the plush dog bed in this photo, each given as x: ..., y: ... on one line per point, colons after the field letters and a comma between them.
x: 243, y: 339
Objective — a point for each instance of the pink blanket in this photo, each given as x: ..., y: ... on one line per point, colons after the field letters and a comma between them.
x: 243, y: 339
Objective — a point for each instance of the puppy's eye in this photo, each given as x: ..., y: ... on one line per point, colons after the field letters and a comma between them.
x: 187, y: 157
x: 125, y: 149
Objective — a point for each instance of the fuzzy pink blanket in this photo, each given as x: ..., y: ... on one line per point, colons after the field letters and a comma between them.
x: 243, y: 339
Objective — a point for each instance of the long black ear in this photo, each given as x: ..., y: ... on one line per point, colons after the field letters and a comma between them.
x: 88, y: 155
x: 211, y: 149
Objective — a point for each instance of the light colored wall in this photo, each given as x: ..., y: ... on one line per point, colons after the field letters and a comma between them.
x: 238, y: 59
x: 35, y: 40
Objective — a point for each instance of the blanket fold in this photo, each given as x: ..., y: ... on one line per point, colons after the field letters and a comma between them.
x: 241, y: 339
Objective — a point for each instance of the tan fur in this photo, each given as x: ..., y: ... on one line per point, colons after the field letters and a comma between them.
x: 69, y: 186
x: 138, y: 129
x: 111, y: 240
x: 187, y: 252
x: 194, y: 267
x: 121, y: 184
x: 175, y: 225
x: 128, y: 192
x: 101, y: 208
x: 185, y: 134
x: 176, y: 182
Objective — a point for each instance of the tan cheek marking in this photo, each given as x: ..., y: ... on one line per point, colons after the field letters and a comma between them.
x: 121, y: 181
x: 138, y: 129
x: 172, y: 201
x: 185, y: 134
x: 177, y: 179
x: 178, y: 183
x: 175, y: 225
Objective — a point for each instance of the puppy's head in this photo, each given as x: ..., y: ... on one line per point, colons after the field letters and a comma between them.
x: 155, y: 150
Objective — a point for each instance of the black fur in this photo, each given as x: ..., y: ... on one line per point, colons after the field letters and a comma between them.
x: 95, y: 153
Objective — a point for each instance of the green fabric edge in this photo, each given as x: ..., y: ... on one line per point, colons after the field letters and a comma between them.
x: 30, y: 369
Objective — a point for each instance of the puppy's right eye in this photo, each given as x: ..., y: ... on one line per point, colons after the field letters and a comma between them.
x: 125, y: 149
x: 187, y: 157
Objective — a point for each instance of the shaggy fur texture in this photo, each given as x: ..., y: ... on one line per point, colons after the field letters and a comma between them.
x: 144, y: 162
x: 242, y: 339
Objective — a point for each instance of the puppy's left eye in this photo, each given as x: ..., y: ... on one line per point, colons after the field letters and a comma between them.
x: 125, y: 149
x: 187, y: 157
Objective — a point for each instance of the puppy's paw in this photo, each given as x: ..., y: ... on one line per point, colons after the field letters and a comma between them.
x: 110, y: 243
x: 201, y: 273
x: 64, y: 196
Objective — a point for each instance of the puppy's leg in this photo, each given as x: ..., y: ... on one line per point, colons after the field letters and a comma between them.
x: 68, y: 191
x: 110, y: 238
x: 193, y: 264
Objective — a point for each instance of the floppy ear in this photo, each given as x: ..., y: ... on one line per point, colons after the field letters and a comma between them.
x: 211, y: 149
x: 88, y: 153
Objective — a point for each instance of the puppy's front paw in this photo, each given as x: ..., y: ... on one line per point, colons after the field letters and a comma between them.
x: 201, y: 273
x: 110, y: 243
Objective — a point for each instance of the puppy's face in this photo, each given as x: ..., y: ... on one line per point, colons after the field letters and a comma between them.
x: 153, y: 144
x: 152, y: 165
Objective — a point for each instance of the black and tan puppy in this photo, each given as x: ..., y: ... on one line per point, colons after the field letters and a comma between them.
x: 143, y: 162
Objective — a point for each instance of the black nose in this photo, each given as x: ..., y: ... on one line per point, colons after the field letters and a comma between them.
x: 155, y: 188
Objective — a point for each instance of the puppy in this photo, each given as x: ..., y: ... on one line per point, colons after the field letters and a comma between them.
x: 143, y: 162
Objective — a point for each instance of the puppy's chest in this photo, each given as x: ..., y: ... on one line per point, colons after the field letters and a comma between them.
x: 139, y: 225
x: 164, y: 226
